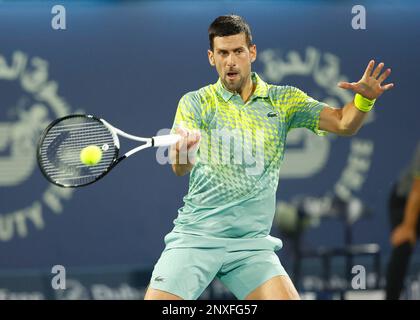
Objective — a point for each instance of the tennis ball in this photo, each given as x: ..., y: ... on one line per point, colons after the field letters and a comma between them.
x: 90, y: 155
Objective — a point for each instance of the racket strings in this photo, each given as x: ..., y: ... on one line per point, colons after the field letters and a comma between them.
x: 61, y: 146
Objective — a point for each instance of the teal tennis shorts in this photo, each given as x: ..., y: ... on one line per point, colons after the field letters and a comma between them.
x: 189, y: 263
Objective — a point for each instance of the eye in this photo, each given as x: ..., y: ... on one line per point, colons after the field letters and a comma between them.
x: 239, y: 51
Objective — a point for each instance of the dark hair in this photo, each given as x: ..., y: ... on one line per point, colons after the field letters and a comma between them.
x: 228, y: 26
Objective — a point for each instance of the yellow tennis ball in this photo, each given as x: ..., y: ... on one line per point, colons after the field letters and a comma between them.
x: 90, y: 155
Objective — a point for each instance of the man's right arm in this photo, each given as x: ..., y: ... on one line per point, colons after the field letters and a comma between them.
x: 183, y: 154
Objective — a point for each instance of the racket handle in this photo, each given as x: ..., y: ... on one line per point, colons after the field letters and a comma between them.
x: 166, y: 140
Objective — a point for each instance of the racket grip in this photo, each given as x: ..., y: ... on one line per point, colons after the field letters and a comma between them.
x: 166, y: 140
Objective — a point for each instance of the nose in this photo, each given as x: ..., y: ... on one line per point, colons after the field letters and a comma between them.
x: 231, y: 62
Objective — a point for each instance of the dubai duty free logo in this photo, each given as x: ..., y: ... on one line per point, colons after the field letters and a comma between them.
x: 30, y: 101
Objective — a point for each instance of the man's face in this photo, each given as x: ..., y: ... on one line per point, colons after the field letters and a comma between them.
x: 232, y: 58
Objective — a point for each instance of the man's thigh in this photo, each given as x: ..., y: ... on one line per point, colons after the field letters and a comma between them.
x: 154, y: 294
x: 184, y: 272
x: 246, y: 271
x: 276, y: 288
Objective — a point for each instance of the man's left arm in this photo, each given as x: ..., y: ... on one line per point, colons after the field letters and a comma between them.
x: 348, y: 120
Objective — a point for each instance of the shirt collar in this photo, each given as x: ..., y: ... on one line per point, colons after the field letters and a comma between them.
x: 261, y: 89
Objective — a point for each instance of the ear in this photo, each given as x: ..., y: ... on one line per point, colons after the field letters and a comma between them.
x: 253, y: 52
x: 210, y: 55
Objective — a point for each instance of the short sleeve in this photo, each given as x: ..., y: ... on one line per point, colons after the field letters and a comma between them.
x: 188, y: 113
x: 302, y: 111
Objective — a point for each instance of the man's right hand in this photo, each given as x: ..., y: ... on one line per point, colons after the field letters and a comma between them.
x: 183, y: 155
x: 189, y: 142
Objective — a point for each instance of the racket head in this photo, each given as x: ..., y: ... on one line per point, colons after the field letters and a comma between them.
x: 60, y: 144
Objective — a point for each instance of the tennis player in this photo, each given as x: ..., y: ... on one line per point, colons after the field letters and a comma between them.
x: 223, y: 228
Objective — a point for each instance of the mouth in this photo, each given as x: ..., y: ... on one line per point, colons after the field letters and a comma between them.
x: 232, y: 75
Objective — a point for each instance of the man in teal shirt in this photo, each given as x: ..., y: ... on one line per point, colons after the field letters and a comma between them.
x: 223, y: 228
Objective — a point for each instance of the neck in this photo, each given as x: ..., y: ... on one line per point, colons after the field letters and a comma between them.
x: 247, y: 90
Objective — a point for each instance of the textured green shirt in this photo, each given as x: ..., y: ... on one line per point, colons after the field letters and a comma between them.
x: 232, y: 188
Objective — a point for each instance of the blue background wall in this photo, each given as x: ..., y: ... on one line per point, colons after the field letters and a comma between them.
x: 130, y: 62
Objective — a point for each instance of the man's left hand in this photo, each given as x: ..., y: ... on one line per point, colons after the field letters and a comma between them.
x: 369, y: 86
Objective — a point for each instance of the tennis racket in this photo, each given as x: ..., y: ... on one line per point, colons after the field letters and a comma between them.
x: 59, y: 147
